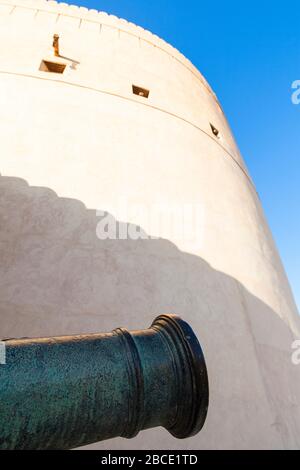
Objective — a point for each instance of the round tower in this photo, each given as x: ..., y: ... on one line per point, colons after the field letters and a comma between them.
x: 123, y: 196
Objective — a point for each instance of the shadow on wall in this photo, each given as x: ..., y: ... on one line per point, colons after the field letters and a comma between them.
x: 58, y: 278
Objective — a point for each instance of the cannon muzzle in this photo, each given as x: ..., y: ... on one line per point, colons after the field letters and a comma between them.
x: 68, y: 391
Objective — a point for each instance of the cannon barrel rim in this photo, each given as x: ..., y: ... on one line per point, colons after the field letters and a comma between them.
x: 193, y: 408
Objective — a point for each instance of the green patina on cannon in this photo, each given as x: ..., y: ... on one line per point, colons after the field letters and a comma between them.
x: 68, y: 391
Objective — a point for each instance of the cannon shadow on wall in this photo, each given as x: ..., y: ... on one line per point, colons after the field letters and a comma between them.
x: 57, y: 277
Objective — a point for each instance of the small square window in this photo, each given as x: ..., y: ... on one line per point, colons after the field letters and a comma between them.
x: 215, y: 131
x: 136, y: 90
x: 53, y: 67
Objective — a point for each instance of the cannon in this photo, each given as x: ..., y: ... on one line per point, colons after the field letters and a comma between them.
x: 67, y: 391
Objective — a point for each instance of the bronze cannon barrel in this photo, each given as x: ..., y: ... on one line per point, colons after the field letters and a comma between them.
x: 68, y: 391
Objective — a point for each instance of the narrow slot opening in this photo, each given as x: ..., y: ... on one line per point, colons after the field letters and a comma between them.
x: 137, y: 90
x: 52, y: 67
x: 215, y: 131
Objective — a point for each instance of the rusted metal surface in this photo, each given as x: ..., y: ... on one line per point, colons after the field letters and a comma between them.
x: 56, y: 45
x: 65, y: 392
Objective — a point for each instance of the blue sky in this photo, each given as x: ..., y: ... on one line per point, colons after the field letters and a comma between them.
x: 250, y: 54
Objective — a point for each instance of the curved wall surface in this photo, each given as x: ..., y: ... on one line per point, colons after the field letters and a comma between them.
x: 82, y: 141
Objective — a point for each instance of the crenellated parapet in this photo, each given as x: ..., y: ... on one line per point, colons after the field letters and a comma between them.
x: 85, y: 15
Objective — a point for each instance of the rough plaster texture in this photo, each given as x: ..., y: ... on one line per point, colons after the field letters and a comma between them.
x: 77, y: 142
